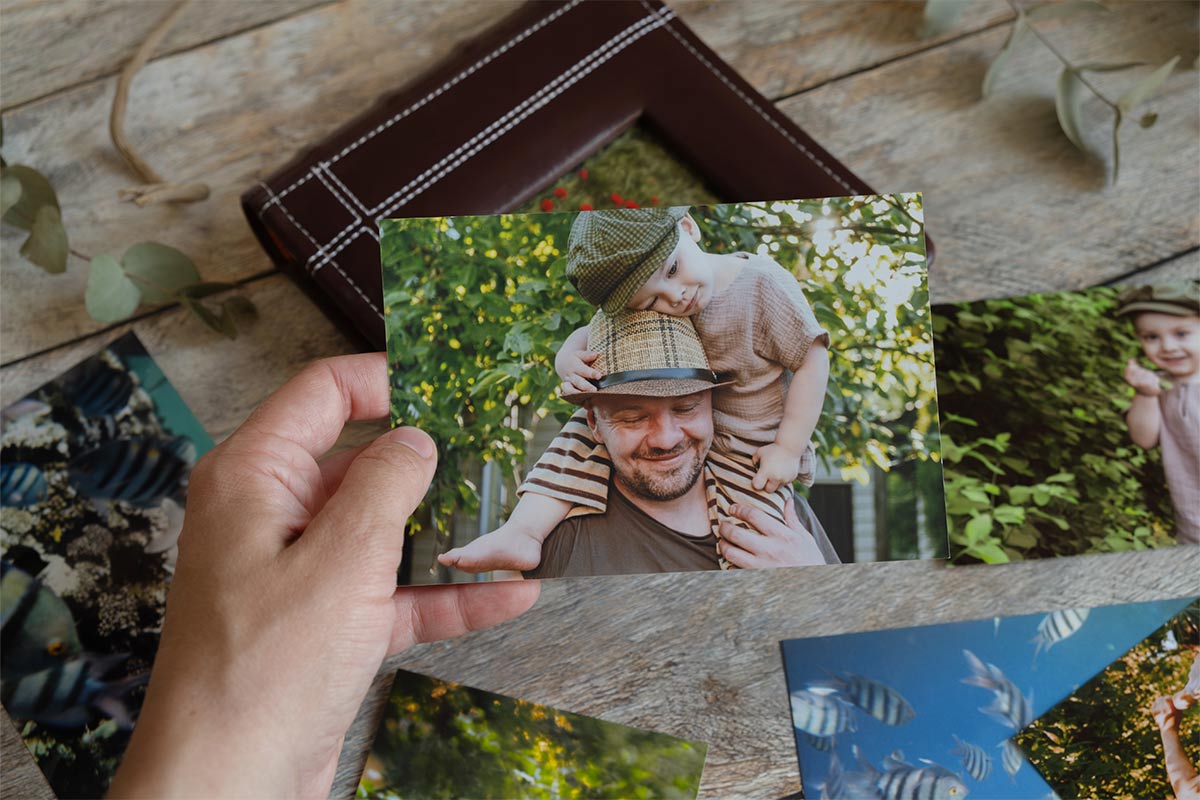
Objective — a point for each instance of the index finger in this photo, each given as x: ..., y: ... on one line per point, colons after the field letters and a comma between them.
x: 312, y: 408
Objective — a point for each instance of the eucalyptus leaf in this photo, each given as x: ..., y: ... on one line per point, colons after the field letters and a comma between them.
x: 1017, y: 33
x: 1148, y: 120
x: 1100, y: 66
x: 227, y: 323
x: 1142, y: 91
x: 110, y: 295
x: 10, y: 192
x: 1068, y: 102
x: 47, y: 242
x: 36, y: 192
x: 239, y: 304
x: 205, y: 315
x: 941, y: 15
x: 198, y: 291
x: 1057, y: 10
x: 159, y: 271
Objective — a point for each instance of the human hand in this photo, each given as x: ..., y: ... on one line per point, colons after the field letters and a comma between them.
x: 1165, y: 714
x: 777, y: 466
x: 575, y: 370
x: 1142, y: 380
x: 284, y: 601
x: 770, y: 543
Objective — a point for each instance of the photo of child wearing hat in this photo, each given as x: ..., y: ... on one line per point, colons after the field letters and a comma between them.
x: 755, y: 325
x: 1165, y: 411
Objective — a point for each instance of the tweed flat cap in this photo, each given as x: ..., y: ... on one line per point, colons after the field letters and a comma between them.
x: 1180, y: 299
x: 648, y: 354
x: 613, y: 252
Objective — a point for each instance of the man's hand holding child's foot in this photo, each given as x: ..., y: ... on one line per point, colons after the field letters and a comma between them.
x: 506, y: 547
x: 777, y: 466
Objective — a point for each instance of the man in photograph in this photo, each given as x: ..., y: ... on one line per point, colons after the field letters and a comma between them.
x: 653, y: 414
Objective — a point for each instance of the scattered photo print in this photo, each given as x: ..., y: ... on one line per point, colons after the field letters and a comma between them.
x: 1069, y: 421
x: 478, y: 308
x: 931, y: 711
x: 1133, y: 730
x: 444, y: 740
x: 93, y: 478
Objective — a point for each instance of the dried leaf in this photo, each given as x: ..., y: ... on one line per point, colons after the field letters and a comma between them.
x: 47, y: 242
x: 1068, y: 102
x: 1057, y: 10
x: 239, y: 304
x: 941, y: 15
x: 1138, y: 94
x: 10, y: 193
x: 1148, y: 120
x: 228, y: 325
x: 1017, y: 33
x: 159, y: 271
x: 205, y: 315
x: 110, y: 295
x: 36, y: 192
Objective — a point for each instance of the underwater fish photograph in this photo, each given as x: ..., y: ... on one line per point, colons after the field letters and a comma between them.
x: 931, y: 711
x: 1134, y: 729
x: 93, y: 482
x: 444, y: 740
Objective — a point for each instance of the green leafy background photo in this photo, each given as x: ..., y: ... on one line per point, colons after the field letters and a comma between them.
x: 1038, y: 459
x: 477, y: 307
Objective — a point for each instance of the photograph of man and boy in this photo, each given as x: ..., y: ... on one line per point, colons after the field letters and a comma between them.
x: 658, y: 389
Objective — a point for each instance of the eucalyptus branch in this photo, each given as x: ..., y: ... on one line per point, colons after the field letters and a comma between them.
x: 1022, y: 20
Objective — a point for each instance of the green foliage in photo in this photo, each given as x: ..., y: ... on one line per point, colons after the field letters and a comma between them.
x: 443, y: 740
x: 1102, y: 741
x: 1038, y: 459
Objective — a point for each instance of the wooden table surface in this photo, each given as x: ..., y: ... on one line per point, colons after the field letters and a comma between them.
x: 237, y: 88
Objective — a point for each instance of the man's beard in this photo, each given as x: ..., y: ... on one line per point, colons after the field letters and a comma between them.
x: 663, y: 487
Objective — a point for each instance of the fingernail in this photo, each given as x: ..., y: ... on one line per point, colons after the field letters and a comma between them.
x: 733, y: 509
x: 416, y: 440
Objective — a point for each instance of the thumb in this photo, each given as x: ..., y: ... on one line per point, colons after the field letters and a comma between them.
x: 365, y: 517
x: 588, y: 356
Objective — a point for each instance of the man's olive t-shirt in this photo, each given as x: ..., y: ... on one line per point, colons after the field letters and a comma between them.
x: 623, y: 541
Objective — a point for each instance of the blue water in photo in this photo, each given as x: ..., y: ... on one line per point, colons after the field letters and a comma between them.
x: 926, y: 665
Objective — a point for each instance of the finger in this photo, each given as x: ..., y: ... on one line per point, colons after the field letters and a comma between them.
x: 431, y: 613
x: 790, y: 517
x: 743, y: 538
x: 588, y: 356
x: 333, y: 468
x: 772, y: 485
x: 740, y: 558
x: 312, y: 407
x: 756, y: 518
x: 759, y: 482
x: 363, y: 523
x: 450, y: 557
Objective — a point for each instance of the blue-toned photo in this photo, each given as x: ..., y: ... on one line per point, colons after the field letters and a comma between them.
x: 931, y: 711
x: 94, y: 468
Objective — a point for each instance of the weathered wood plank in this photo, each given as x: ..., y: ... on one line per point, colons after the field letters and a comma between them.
x: 1181, y: 268
x: 199, y: 116
x: 51, y: 45
x: 1011, y: 204
x: 785, y: 47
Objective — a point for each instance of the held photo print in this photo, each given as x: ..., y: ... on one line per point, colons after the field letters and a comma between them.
x: 631, y: 368
x: 93, y: 478
x: 444, y: 740
x: 1071, y: 421
x: 940, y: 708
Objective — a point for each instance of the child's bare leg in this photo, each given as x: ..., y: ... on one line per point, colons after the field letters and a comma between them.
x: 515, y: 545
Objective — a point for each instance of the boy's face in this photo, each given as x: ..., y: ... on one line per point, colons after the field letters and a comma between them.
x: 683, y: 285
x: 1172, y: 343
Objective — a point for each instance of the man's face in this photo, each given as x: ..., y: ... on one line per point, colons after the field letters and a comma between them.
x: 657, y: 444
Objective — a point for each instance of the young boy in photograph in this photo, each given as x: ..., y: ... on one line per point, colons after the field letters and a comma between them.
x: 753, y: 321
x: 1165, y: 411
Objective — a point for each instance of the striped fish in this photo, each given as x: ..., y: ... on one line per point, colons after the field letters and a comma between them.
x: 21, y: 485
x: 68, y: 694
x: 138, y: 471
x: 834, y: 785
x: 1058, y: 625
x: 99, y: 390
x: 975, y: 761
x: 822, y: 744
x: 1011, y: 708
x: 821, y: 713
x: 902, y: 781
x: 1011, y: 759
x: 877, y: 699
x: 37, y: 630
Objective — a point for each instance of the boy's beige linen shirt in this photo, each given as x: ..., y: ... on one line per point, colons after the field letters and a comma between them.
x: 1179, y: 438
x: 759, y: 328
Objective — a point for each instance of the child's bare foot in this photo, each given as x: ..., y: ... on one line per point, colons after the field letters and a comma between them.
x: 503, y: 548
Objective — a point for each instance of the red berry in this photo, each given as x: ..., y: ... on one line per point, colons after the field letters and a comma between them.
x: 631, y: 204
x: 585, y: 206
x: 583, y: 173
x: 560, y: 192
x: 547, y: 204
x: 616, y: 198
x: 654, y: 200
